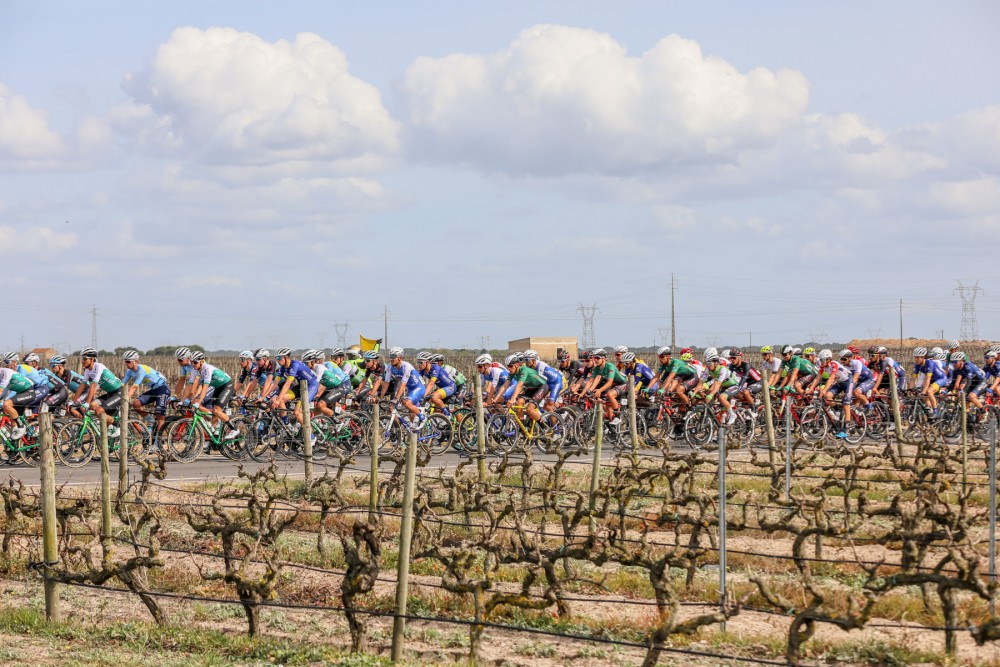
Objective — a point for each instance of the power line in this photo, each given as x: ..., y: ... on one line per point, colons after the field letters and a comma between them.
x: 968, y: 294
x: 588, y: 313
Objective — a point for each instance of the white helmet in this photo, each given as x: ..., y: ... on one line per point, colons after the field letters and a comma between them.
x: 484, y: 359
x: 958, y: 355
x: 936, y: 351
x: 395, y: 352
x: 620, y: 349
x: 920, y: 352
x: 512, y: 359
x: 283, y: 352
x: 709, y: 351
x: 724, y: 354
x: 943, y: 356
x: 529, y: 355
x: 953, y: 344
x: 130, y: 355
x: 424, y: 356
x: 309, y: 355
x: 846, y: 353
x: 796, y: 350
x: 663, y: 350
x: 246, y: 354
x: 182, y: 353
x: 825, y: 355
x: 263, y: 353
x: 11, y: 357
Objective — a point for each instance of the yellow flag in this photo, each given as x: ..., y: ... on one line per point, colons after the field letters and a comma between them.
x: 370, y: 344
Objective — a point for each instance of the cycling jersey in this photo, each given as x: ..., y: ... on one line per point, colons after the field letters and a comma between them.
x: 261, y: 372
x: 440, y: 376
x: 774, y: 366
x: 144, y: 375
x: 746, y: 373
x: 32, y: 374
x: 355, y: 370
x: 328, y: 377
x: 857, y: 367
x: 528, y: 377
x: 552, y: 375
x: 188, y: 373
x: 970, y: 372
x: 642, y: 374
x: 338, y: 373
x: 932, y: 369
x: 13, y: 382
x: 247, y: 373
x: 212, y: 376
x: 992, y: 370
x: 609, y: 371
x: 679, y: 368
x: 104, y: 378
x: 404, y: 372
x: 455, y: 375
x: 297, y: 370
x: 494, y: 375
x: 723, y: 375
x: 839, y: 373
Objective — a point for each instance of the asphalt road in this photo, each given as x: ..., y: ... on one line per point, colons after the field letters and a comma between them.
x: 210, y: 468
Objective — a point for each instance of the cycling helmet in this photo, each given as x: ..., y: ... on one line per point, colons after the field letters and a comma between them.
x: 873, y: 349
x: 684, y: 350
x: 825, y: 355
x: 58, y: 360
x: 735, y: 352
x: 130, y: 355
x: 283, y: 352
x: 995, y: 348
x: 687, y: 356
x: 663, y: 350
x: 562, y: 355
x: 953, y: 344
x: 958, y: 356
x: 371, y: 355
x: 709, y: 351
x: 88, y: 353
x: 197, y: 356
x: 936, y: 351
x: 530, y: 355
x: 788, y: 349
x: 808, y: 351
x: 512, y: 359
x: 846, y: 353
x: 796, y: 351
x: 943, y: 356
x: 337, y: 352
x: 620, y: 349
x: 263, y: 353
x: 309, y: 355
x: 484, y: 359
x: 920, y: 352
x: 437, y: 358
x: 599, y: 352
x: 855, y: 351
x: 32, y: 357
x: 182, y: 353
x: 766, y: 349
x: 424, y: 356
x: 246, y: 354
x: 12, y: 357
x: 724, y: 354
x: 990, y: 354
x: 882, y: 349
x: 584, y: 356
x: 628, y: 357
x: 712, y: 359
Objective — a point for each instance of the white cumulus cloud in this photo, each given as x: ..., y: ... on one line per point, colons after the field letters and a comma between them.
x: 25, y: 136
x: 562, y: 100
x: 220, y: 96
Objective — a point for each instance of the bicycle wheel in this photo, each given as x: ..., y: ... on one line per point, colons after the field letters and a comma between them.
x: 138, y: 440
x: 502, y: 434
x: 699, y: 427
x: 878, y: 419
x: 260, y: 440
x: 235, y: 448
x: 813, y: 425
x: 549, y: 433
x: 75, y: 444
x: 856, y: 427
x: 435, y: 434
x: 185, y: 441
x: 351, y: 433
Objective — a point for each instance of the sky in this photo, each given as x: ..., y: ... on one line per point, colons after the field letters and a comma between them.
x: 244, y: 174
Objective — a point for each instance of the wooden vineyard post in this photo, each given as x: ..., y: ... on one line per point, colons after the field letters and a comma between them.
x: 374, y: 444
x: 50, y: 537
x: 307, y: 440
x: 480, y: 428
x: 405, y: 535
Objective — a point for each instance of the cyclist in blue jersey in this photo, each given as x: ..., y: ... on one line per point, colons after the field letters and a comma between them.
x: 862, y: 378
x: 290, y: 373
x: 29, y: 369
x: 931, y: 377
x: 553, y: 379
x: 153, y: 385
x: 408, y: 380
x: 642, y: 373
x: 62, y: 381
x: 493, y: 375
x: 16, y: 393
x: 248, y: 374
x: 438, y: 384
x: 968, y: 377
x: 991, y: 366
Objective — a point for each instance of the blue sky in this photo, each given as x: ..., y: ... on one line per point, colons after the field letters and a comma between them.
x: 237, y: 174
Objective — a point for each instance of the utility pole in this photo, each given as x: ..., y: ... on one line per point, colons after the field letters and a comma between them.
x: 385, y: 323
x: 673, y: 320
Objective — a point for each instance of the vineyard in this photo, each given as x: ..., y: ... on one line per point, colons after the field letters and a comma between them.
x: 880, y: 553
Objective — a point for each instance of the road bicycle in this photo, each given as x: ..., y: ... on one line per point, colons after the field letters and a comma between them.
x: 187, y: 437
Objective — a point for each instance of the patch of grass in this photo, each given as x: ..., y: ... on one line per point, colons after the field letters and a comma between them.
x: 873, y: 652
x: 535, y: 649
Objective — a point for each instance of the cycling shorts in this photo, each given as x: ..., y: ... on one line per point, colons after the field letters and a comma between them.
x: 39, y: 392
x: 57, y: 397
x: 160, y: 395
x: 690, y: 383
x: 448, y: 391
x: 555, y: 386
x: 22, y: 399
x: 111, y: 400
x: 416, y: 395
x: 865, y: 386
x: 219, y: 397
x: 333, y: 396
x: 313, y: 389
x: 805, y: 380
x: 977, y: 387
x: 846, y: 387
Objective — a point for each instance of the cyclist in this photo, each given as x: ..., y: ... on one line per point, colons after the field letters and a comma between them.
x: 184, y: 385
x: 333, y: 382
x: 607, y: 379
x: 408, y: 381
x: 991, y: 366
x: 287, y: 377
x: 581, y: 374
x: 862, y: 377
x: 264, y: 375
x: 97, y: 376
x: 881, y: 365
x: 953, y: 347
x: 17, y: 392
x: 248, y: 372
x: 522, y: 379
x: 750, y: 380
x: 931, y: 377
x: 569, y: 367
x: 154, y: 385
x: 619, y: 351
x: 800, y: 370
x: 838, y: 380
x: 213, y: 392
x: 770, y: 364
x: 968, y: 377
x: 63, y: 381
x: 553, y: 378
x: 374, y: 369
x: 675, y: 375
x: 493, y: 375
x: 438, y: 385
x: 461, y: 385
x: 338, y: 358
x: 720, y: 383
x: 642, y: 373
x: 29, y: 369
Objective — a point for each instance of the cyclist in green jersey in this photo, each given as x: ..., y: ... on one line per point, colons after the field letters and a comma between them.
x: 218, y: 382
x: 721, y: 383
x: 801, y: 371
x: 97, y: 376
x: 675, y: 375
x: 608, y: 380
x: 521, y: 380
